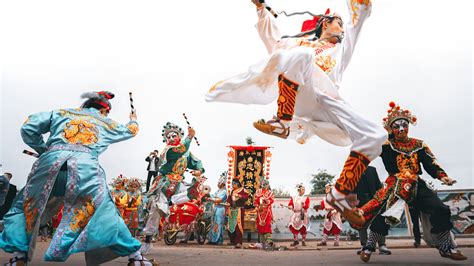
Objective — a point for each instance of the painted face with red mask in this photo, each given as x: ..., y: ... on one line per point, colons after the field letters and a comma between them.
x: 400, y: 129
x: 173, y: 138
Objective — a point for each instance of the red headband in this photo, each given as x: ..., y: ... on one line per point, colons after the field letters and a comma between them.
x: 106, y: 94
x: 105, y: 105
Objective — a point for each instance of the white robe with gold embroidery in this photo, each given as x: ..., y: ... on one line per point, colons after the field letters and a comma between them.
x: 317, y: 67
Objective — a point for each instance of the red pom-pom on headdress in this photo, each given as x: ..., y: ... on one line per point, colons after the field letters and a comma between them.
x: 396, y: 113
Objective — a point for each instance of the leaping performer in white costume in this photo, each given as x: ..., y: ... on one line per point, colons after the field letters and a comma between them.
x: 307, y: 70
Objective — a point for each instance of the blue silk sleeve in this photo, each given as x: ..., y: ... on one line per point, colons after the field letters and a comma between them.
x: 33, y: 129
x: 121, y: 132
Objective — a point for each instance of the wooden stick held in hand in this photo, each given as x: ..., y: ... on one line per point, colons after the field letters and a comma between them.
x: 31, y: 153
x: 189, y: 125
x: 131, y: 102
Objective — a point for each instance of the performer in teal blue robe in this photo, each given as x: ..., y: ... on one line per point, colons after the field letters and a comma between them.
x: 216, y: 234
x: 91, y: 222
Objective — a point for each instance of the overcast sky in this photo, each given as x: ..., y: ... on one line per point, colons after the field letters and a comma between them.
x: 169, y: 53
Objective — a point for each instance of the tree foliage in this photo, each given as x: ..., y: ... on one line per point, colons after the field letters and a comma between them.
x: 280, y: 193
x: 319, y: 181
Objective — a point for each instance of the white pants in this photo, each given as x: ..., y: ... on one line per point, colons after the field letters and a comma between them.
x: 158, y: 208
x: 319, y: 110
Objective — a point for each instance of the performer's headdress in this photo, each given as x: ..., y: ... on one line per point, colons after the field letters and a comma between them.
x: 222, y: 178
x: 395, y: 113
x: 299, y: 186
x: 264, y: 182
x: 97, y: 100
x: 118, y: 180
x: 134, y: 183
x: 312, y: 26
x: 170, y: 127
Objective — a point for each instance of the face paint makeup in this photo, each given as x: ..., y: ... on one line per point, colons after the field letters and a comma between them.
x: 400, y: 128
x: 173, y: 138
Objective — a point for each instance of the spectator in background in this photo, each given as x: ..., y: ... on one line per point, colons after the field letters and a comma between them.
x: 4, y: 184
x: 153, y: 164
x: 10, y: 190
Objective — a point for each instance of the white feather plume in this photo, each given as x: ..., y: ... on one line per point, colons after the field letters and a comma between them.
x: 90, y: 95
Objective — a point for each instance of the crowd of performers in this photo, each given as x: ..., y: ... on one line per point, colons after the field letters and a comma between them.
x: 127, y: 195
x: 303, y: 73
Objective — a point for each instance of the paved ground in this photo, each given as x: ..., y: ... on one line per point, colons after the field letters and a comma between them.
x: 194, y: 254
